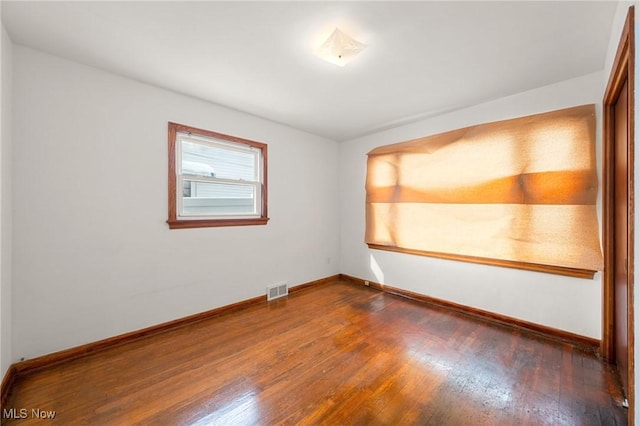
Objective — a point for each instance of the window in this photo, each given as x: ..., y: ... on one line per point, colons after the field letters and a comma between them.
x: 518, y: 193
x: 215, y: 179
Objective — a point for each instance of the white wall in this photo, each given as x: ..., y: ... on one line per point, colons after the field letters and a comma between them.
x: 564, y: 303
x: 93, y: 256
x: 5, y: 203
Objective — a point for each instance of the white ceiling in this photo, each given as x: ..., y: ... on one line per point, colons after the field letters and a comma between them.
x: 422, y: 57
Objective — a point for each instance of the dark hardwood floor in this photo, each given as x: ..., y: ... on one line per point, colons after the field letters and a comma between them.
x: 333, y: 354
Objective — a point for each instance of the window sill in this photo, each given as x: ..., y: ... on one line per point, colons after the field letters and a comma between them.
x: 549, y: 269
x: 212, y: 223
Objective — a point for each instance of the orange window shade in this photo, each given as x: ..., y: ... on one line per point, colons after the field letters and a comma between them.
x: 520, y: 191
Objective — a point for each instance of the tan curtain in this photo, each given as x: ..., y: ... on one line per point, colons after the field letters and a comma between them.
x: 521, y: 190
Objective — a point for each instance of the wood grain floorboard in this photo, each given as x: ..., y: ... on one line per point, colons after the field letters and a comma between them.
x: 334, y: 354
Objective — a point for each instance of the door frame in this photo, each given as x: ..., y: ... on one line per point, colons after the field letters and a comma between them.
x: 623, y: 70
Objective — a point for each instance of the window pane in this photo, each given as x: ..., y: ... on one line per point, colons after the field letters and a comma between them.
x: 206, y: 198
x: 204, y: 160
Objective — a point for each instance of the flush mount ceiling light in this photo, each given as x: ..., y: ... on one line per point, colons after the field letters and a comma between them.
x: 339, y: 48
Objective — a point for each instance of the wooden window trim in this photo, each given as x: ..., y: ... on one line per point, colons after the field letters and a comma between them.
x: 536, y: 267
x: 177, y: 223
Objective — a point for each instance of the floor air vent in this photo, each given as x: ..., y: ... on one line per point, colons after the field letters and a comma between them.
x: 276, y: 291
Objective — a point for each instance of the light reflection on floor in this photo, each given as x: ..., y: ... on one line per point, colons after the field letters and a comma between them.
x: 243, y: 410
x: 487, y: 385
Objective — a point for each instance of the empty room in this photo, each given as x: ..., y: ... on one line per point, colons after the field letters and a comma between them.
x: 332, y: 213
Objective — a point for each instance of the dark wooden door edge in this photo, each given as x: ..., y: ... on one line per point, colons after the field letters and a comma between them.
x: 623, y: 70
